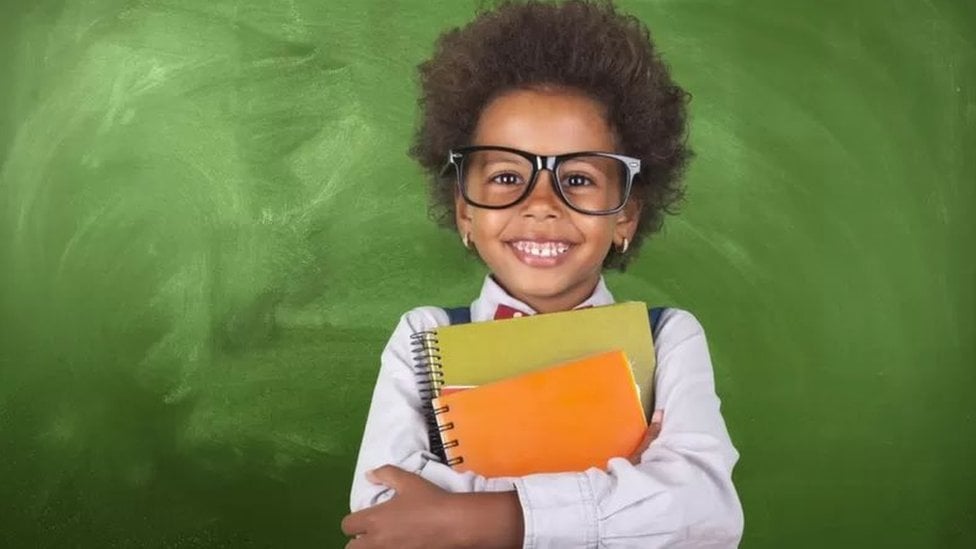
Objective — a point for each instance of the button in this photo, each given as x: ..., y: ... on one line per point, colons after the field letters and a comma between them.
x: 518, y: 314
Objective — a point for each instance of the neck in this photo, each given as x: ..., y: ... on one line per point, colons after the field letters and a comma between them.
x: 564, y: 301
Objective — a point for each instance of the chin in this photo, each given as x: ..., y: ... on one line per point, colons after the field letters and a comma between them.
x: 542, y: 287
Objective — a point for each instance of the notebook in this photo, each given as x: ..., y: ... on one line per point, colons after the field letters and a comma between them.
x: 467, y: 355
x: 564, y: 418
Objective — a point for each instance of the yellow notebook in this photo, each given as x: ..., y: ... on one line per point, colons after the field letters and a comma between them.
x: 481, y: 352
x: 564, y: 418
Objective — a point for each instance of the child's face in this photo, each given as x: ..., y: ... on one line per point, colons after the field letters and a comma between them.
x: 546, y: 122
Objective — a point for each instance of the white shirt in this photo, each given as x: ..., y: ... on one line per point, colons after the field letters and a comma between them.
x: 680, y: 495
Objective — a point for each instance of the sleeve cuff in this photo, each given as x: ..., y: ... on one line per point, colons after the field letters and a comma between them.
x: 559, y: 511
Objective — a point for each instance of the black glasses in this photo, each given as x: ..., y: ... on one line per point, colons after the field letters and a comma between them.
x: 595, y: 183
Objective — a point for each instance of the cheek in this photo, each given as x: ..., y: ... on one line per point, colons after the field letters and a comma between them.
x: 489, y: 222
x: 598, y: 230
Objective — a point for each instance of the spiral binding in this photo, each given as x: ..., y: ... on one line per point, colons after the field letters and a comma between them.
x: 450, y: 443
x: 430, y: 377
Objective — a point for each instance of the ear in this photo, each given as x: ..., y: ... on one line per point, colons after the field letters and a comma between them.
x: 627, y: 221
x: 462, y: 213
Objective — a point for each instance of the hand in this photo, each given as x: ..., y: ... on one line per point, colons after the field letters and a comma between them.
x: 413, y: 518
x: 422, y: 515
x: 653, y: 430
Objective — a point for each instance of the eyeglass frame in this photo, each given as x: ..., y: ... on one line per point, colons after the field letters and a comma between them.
x: 539, y: 163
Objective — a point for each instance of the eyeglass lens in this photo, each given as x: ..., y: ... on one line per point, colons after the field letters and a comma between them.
x: 500, y: 178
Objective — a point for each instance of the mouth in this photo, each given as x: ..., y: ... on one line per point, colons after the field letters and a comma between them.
x: 540, y: 253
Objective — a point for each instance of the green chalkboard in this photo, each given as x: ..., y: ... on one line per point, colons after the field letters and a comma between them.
x: 209, y: 227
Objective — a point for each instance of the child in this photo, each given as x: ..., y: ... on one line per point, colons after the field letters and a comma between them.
x: 550, y: 80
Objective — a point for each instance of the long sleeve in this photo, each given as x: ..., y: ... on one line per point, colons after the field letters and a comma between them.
x: 680, y: 495
x: 395, y: 430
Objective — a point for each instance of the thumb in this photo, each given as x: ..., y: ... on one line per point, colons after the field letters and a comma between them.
x: 390, y: 476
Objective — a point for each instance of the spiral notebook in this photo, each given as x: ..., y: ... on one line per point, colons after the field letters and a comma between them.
x: 469, y: 355
x: 564, y: 418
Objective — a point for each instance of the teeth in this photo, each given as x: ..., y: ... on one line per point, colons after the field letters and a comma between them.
x: 541, y: 249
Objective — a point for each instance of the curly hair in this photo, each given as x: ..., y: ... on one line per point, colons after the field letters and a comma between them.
x: 588, y: 47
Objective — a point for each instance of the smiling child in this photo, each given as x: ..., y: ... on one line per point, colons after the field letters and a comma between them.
x: 555, y: 142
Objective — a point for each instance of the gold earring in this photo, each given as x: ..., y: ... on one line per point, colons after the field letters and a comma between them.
x: 623, y: 247
x: 466, y: 240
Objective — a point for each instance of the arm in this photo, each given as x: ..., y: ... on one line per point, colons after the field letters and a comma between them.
x: 424, y: 516
x: 440, y: 519
x: 395, y: 430
x: 681, y: 494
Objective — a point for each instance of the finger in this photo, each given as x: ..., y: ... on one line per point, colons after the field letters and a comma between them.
x: 358, y: 543
x: 653, y: 430
x: 354, y: 524
x: 657, y: 416
x: 650, y: 434
x: 635, y: 457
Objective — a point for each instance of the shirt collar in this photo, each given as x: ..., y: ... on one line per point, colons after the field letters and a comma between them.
x: 492, y: 295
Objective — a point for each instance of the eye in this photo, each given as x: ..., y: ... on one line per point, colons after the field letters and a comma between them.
x: 506, y: 179
x: 577, y: 180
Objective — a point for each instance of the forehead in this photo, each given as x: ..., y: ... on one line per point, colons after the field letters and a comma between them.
x: 545, y: 121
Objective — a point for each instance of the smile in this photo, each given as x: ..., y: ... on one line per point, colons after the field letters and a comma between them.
x: 541, y: 249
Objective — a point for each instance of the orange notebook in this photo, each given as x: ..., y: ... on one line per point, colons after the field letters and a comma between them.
x: 565, y: 418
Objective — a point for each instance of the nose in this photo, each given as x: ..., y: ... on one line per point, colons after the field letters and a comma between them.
x: 543, y: 201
